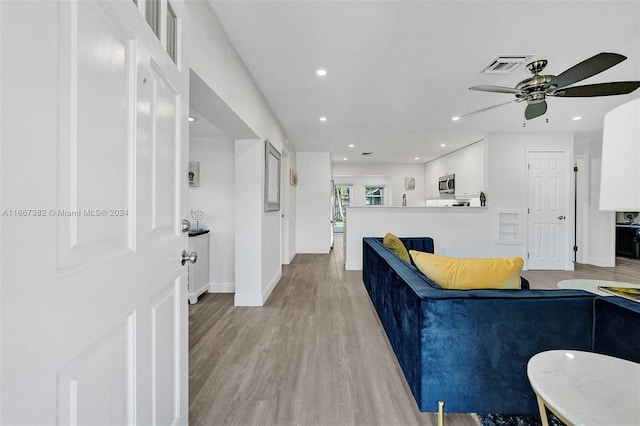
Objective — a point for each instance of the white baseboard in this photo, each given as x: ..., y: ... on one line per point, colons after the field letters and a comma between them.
x: 222, y: 287
x: 257, y: 299
x: 252, y: 299
x: 272, y: 284
x: 353, y: 266
x: 602, y: 262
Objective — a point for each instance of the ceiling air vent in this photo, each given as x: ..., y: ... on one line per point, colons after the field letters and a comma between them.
x: 365, y: 154
x: 504, y: 64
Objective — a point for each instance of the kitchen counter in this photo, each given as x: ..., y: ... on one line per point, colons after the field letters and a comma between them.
x: 457, y: 231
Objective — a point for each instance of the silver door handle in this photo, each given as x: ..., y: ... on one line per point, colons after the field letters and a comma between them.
x: 562, y: 217
x: 191, y: 258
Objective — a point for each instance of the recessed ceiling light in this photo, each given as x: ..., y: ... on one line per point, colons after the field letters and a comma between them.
x: 323, y: 119
x: 577, y: 118
x: 443, y: 145
x: 192, y: 119
x: 456, y: 118
x: 321, y: 72
x: 416, y: 158
x: 344, y: 159
x: 351, y: 145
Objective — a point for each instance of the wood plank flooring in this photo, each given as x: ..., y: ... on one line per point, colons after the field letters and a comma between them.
x: 315, y: 354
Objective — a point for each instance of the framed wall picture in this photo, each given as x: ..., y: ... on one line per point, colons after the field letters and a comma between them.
x: 194, y: 174
x: 409, y: 183
x: 271, y: 178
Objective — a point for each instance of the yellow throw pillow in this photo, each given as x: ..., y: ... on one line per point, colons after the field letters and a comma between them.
x: 396, y: 246
x: 470, y: 273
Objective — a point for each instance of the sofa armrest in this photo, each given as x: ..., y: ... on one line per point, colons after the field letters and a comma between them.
x: 616, y: 327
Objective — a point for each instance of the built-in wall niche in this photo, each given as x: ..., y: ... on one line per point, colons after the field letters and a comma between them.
x: 509, y: 229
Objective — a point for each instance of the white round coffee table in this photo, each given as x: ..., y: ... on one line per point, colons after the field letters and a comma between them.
x: 584, y: 388
x: 592, y: 285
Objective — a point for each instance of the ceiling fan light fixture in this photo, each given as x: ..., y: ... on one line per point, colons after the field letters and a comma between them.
x: 535, y: 89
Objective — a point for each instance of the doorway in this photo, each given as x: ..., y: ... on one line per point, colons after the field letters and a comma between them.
x: 342, y: 200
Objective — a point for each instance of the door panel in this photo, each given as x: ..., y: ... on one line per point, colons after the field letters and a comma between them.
x: 94, y: 306
x: 107, y: 363
x: 547, y: 223
x: 94, y: 225
x: 165, y: 128
x: 165, y: 326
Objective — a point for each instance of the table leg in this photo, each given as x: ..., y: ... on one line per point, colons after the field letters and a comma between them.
x: 544, y: 417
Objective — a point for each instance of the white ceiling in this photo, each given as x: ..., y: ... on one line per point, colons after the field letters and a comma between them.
x: 399, y: 70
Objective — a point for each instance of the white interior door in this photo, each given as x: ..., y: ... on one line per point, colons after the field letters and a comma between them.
x: 547, y: 219
x: 94, y: 325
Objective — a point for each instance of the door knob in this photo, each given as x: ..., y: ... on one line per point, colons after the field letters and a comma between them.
x: 562, y: 217
x: 191, y: 258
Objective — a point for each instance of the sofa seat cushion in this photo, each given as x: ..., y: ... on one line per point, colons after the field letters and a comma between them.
x: 470, y: 273
x: 395, y: 245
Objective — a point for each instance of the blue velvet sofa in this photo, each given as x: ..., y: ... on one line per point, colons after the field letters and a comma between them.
x: 470, y: 348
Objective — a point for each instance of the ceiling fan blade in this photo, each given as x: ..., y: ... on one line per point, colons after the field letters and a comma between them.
x: 602, y: 89
x: 535, y: 110
x: 488, y: 108
x: 587, y: 68
x: 495, y: 89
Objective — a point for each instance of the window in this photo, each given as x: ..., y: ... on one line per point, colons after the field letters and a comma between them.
x: 172, y: 33
x: 374, y: 195
x: 153, y: 15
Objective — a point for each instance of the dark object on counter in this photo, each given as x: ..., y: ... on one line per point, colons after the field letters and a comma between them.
x: 196, y: 232
x: 460, y: 204
x: 483, y: 199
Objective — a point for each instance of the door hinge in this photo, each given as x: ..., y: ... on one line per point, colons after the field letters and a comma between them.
x: 527, y: 255
x: 575, y: 248
x: 528, y: 210
x: 528, y: 166
x: 575, y: 169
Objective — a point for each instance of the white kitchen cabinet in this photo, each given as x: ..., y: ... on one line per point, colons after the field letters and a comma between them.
x: 198, y: 279
x: 468, y: 164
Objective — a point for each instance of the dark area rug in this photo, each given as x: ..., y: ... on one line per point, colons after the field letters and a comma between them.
x: 516, y: 420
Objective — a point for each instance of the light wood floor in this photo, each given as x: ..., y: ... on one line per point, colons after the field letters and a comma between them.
x: 315, y: 354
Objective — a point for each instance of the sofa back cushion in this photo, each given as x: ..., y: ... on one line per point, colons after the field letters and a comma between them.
x: 470, y: 273
x: 394, y: 244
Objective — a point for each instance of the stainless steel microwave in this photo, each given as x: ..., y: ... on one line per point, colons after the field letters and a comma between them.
x: 447, y: 184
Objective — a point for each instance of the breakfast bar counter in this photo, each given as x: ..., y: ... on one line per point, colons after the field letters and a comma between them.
x: 458, y: 231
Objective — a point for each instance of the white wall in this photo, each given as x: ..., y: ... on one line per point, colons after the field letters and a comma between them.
x: 507, y: 186
x: 216, y: 198
x: 392, y: 176
x: 597, y: 228
x: 313, y: 202
x: 216, y: 62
